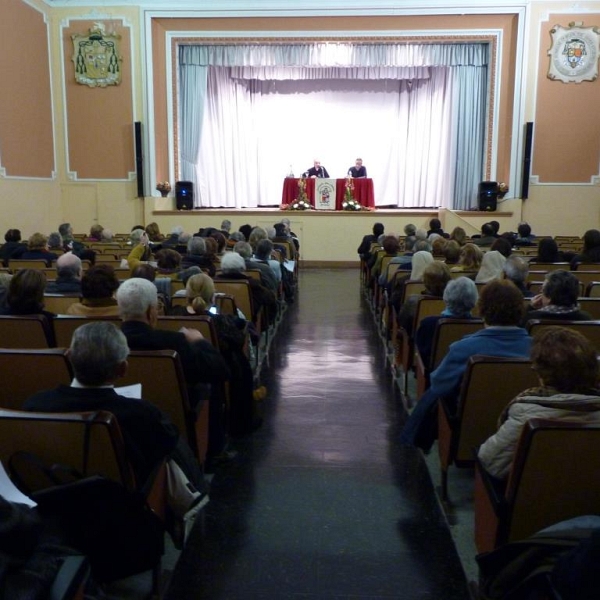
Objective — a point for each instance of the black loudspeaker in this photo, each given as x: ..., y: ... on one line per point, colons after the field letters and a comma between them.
x: 139, y: 160
x: 184, y: 194
x: 487, y: 196
x: 527, y: 160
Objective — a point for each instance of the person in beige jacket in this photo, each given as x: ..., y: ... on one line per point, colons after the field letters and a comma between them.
x: 567, y: 367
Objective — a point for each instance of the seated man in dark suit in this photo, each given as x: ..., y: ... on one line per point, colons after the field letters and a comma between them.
x: 98, y: 355
x: 357, y: 170
x: 68, y: 269
x: 202, y: 363
x: 365, y: 245
x: 316, y: 171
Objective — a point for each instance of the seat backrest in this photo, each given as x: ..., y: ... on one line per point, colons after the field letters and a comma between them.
x: 65, y: 325
x: 590, y: 329
x: 448, y: 331
x: 203, y: 323
x: 90, y: 442
x: 163, y: 384
x: 488, y: 385
x: 254, y: 273
x: 546, y: 266
x: 16, y: 264
x: 24, y: 331
x: 581, y: 266
x: 240, y: 290
x: 26, y: 372
x: 226, y: 304
x: 427, y: 306
x: 586, y: 277
x: 411, y: 287
x: 592, y: 289
x: 59, y: 303
x: 554, y: 476
x: 591, y: 306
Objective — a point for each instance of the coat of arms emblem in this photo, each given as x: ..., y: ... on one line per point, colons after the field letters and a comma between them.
x: 574, y: 53
x: 97, y: 58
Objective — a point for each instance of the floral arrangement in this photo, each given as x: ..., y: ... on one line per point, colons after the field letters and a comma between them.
x: 349, y: 202
x: 301, y: 202
x: 502, y: 189
x: 164, y: 187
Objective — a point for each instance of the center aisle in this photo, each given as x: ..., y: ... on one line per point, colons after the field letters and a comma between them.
x: 321, y: 502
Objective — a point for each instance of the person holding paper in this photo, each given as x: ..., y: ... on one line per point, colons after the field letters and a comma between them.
x: 98, y: 355
x: 357, y: 170
x: 317, y: 170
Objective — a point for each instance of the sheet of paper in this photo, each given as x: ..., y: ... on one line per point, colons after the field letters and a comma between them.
x: 10, y: 492
x: 130, y: 391
x: 289, y: 265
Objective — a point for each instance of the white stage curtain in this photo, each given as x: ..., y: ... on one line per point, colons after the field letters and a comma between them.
x: 261, y: 120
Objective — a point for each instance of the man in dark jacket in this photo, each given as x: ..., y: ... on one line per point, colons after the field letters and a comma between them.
x: 68, y: 269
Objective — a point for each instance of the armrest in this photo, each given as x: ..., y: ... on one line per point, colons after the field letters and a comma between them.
x: 495, y: 488
x: 70, y: 579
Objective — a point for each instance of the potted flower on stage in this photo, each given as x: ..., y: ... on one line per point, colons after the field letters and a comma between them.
x: 301, y: 202
x: 164, y: 187
x: 349, y: 202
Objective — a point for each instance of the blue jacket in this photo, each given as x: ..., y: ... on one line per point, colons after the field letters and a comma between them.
x: 503, y: 342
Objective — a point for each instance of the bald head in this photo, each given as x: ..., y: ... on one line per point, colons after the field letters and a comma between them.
x: 69, y: 265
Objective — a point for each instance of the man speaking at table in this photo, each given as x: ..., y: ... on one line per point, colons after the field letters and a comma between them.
x: 357, y: 170
x: 316, y: 171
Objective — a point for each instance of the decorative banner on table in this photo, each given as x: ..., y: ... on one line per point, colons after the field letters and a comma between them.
x: 325, y: 194
x: 574, y: 53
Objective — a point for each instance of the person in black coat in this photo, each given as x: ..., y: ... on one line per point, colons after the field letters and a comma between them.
x: 316, y: 171
x: 98, y: 355
x: 357, y: 170
x: 203, y: 367
x: 367, y: 240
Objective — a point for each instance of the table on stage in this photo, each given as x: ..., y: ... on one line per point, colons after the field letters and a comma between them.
x: 363, y: 191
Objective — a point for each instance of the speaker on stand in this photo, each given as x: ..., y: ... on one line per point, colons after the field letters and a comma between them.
x: 139, y: 158
x: 487, y: 196
x: 184, y: 195
x: 527, y: 160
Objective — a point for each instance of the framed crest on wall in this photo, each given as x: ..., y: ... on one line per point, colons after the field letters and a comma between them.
x: 97, y: 58
x: 574, y: 53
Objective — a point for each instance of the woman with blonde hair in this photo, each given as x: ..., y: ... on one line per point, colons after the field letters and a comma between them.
x: 231, y: 333
x: 470, y: 259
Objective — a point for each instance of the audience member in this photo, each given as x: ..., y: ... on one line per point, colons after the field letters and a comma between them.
x: 233, y: 267
x: 491, y: 267
x: 567, y: 366
x: 267, y: 276
x: 558, y: 299
x: 487, y: 237
x: 202, y: 364
x: 460, y: 297
x: 4, y: 285
x: 95, y: 233
x: 420, y: 261
x: 200, y: 291
x: 390, y: 247
x: 501, y: 307
x: 55, y: 242
x: 70, y: 244
x: 459, y: 235
x: 516, y: 270
x: 591, y: 249
x: 13, y: 247
x: 196, y: 256
x: 503, y: 246
x: 410, y: 230
x: 98, y: 355
x: 168, y: 264
x: 226, y: 227
x: 435, y: 226
x: 548, y: 252
x: 37, y: 248
x: 435, y: 278
x: 364, y: 249
x: 173, y: 240
x: 98, y: 286
x: 524, y: 235
x: 154, y: 234
x: 469, y: 260
x: 246, y: 230
x: 263, y: 253
x: 452, y: 252
x: 438, y: 245
x: 68, y: 280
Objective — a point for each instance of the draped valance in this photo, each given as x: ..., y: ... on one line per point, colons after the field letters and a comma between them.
x: 335, y: 54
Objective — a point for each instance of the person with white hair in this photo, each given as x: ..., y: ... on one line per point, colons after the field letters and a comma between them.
x: 173, y: 240
x: 202, y: 363
x: 232, y: 268
x: 68, y: 280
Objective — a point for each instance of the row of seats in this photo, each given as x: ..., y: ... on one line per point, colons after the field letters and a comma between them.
x: 545, y: 486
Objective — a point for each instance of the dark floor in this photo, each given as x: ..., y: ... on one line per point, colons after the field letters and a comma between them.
x: 321, y: 502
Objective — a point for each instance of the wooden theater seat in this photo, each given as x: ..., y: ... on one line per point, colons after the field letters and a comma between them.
x: 59, y: 303
x: 163, y: 383
x: 25, y: 331
x: 65, y: 325
x: 554, y: 477
x: 488, y: 385
x: 590, y: 329
x: 26, y: 372
x: 203, y: 323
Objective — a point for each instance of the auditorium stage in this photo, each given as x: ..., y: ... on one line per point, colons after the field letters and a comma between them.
x: 329, y: 238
